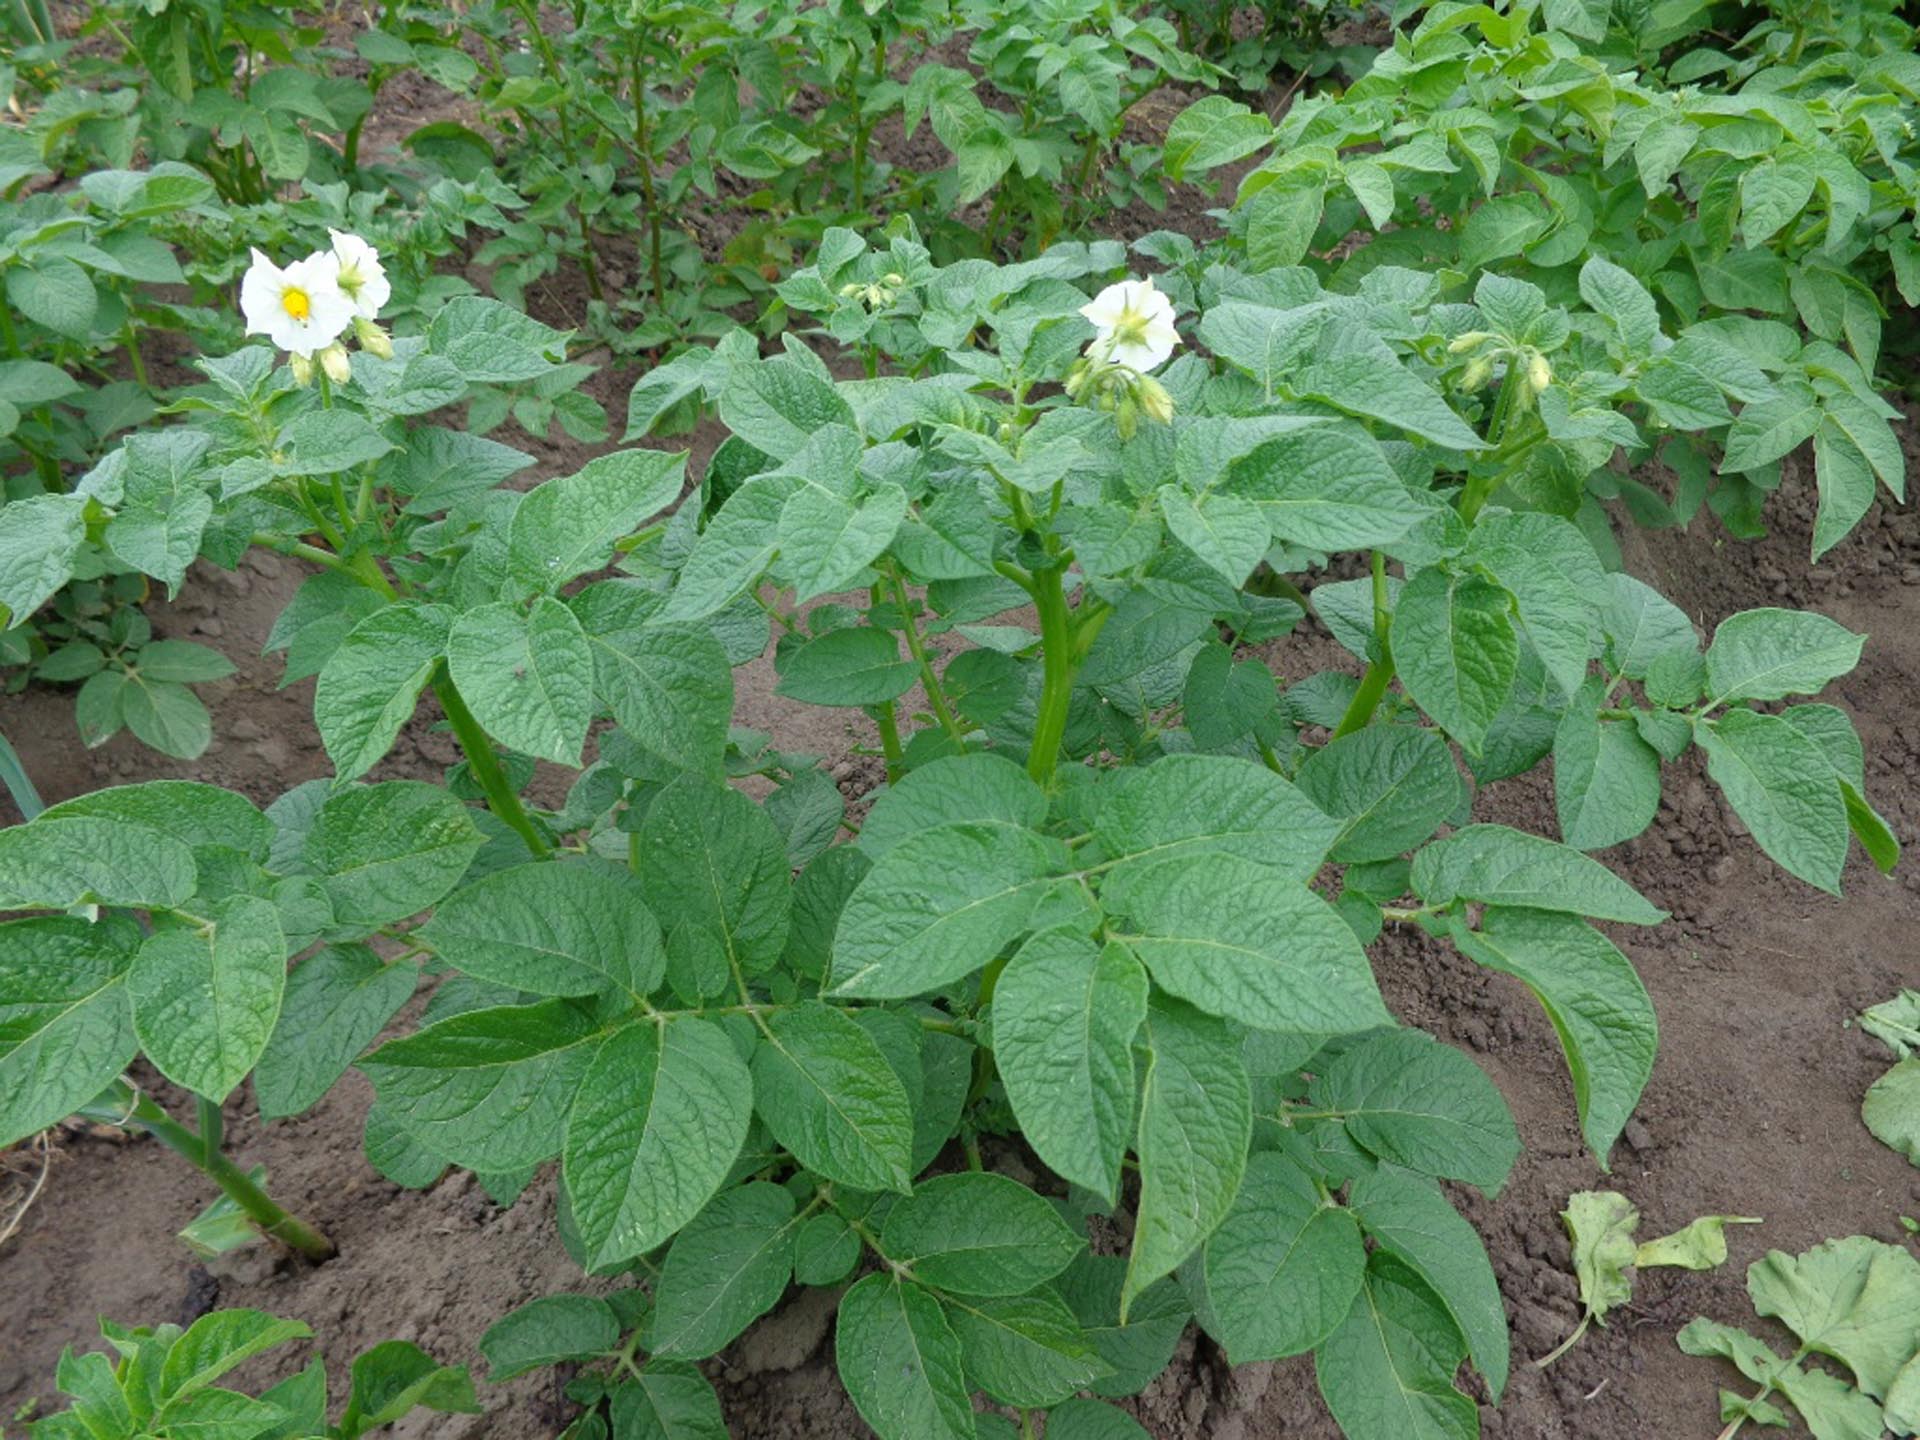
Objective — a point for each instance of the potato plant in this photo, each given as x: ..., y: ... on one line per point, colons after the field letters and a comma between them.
x: 1111, y: 908
x: 161, y: 1383
x: 1487, y: 142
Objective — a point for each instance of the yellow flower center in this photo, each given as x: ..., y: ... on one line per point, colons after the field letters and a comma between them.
x: 296, y: 303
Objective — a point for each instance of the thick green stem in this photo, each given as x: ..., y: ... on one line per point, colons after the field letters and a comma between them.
x: 1058, y: 665
x: 485, y: 766
x: 213, y: 1123
x: 238, y: 1186
x: 1379, y: 674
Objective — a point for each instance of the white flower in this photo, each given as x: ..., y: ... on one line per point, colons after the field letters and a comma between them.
x: 362, y: 277
x: 301, y: 308
x: 1135, y: 322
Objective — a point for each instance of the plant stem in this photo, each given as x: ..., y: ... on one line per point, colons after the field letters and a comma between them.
x: 645, y: 156
x: 131, y: 339
x: 213, y: 1124
x: 485, y: 766
x: 883, y: 717
x: 1566, y: 1344
x: 239, y: 1187
x: 1379, y: 675
x: 929, y: 681
x: 1058, y: 665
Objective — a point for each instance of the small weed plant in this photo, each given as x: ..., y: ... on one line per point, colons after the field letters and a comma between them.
x: 1067, y: 1035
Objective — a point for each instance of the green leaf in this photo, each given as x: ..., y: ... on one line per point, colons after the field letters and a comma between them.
x: 1846, y: 484
x: 777, y: 405
x: 901, y: 1362
x: 1701, y: 1244
x: 1239, y: 941
x: 827, y: 541
x: 204, y: 1004
x: 66, y: 1029
x: 1065, y: 1012
x: 732, y: 551
x: 1857, y: 1300
x: 726, y: 1269
x: 955, y: 788
x: 1283, y: 1269
x: 569, y: 525
x: 1499, y: 866
x: 39, y: 538
x: 1091, y: 1420
x: 1387, y: 1372
x: 335, y: 1005
x: 1596, y: 1002
x: 547, y: 1331
x: 329, y: 442
x: 1616, y: 294
x: 1892, y: 1108
x: 825, y: 1251
x: 388, y: 851
x: 1325, y: 486
x: 1783, y: 790
x: 1771, y: 654
x: 182, y: 662
x: 1456, y: 651
x: 528, y: 678
x: 1642, y: 626
x: 670, y: 1400
x: 170, y: 718
x: 1211, y: 132
x: 1550, y: 569
x: 489, y: 1089
x: 58, y: 862
x: 1390, y: 786
x: 1228, y: 534
x: 56, y: 293
x: 395, y: 1378
x: 659, y: 1119
x: 193, y: 813
x: 1139, y: 1348
x: 1025, y: 1350
x: 1186, y: 806
x: 1772, y: 193
x: 669, y: 686
x: 939, y: 906
x: 979, y: 1234
x: 827, y: 1093
x: 1601, y: 1225
x: 1895, y: 1023
x: 1383, y: 389
x: 1423, y: 1105
x: 217, y: 1343
x: 1831, y: 1407
x: 1606, y: 778
x: 552, y: 928
x: 1768, y: 429
x: 1196, y: 1118
x: 371, y: 684
x: 854, y: 666
x: 1408, y: 1216
x: 713, y: 862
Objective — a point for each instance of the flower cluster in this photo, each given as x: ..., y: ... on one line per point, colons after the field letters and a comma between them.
x: 307, y: 307
x: 1134, y: 333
